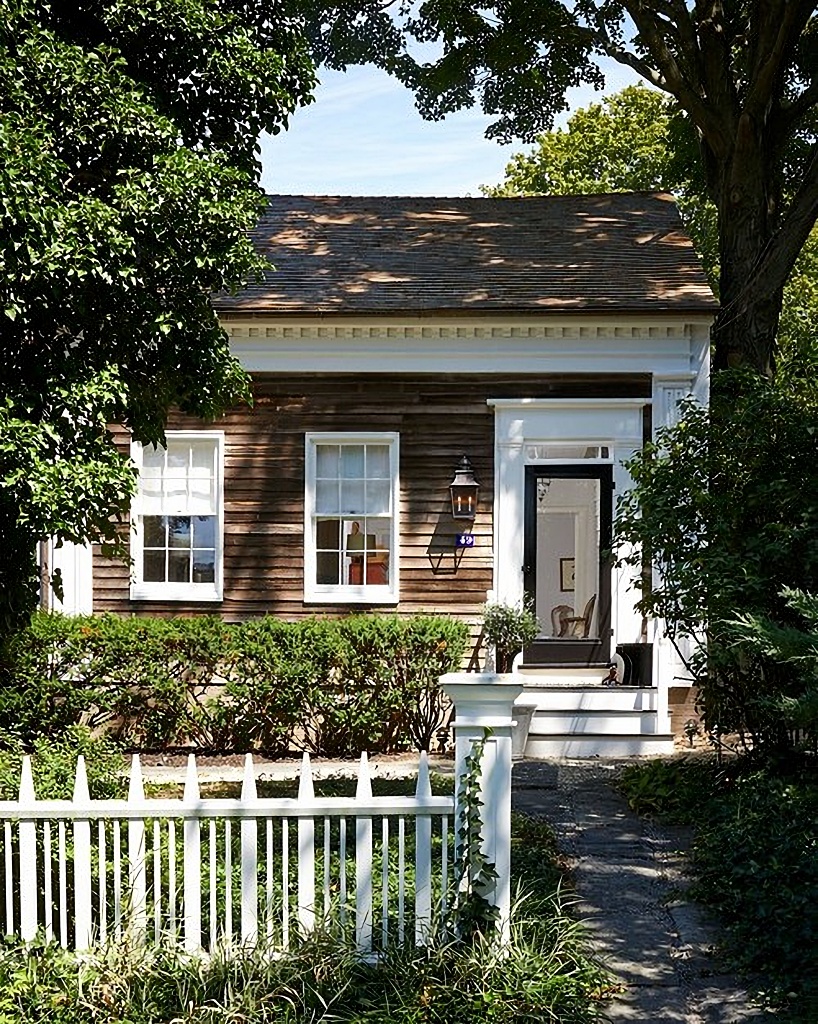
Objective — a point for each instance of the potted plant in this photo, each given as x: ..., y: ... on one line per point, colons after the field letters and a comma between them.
x: 507, y: 629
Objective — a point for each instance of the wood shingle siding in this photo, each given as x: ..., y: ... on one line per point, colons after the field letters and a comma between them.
x: 438, y: 418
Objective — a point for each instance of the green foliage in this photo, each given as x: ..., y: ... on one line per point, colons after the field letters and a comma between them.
x: 331, y: 686
x: 128, y: 183
x: 475, y: 877
x: 543, y: 977
x: 54, y: 762
x: 755, y: 864
x: 725, y: 504
x: 673, y: 790
x: 509, y: 628
x: 793, y: 650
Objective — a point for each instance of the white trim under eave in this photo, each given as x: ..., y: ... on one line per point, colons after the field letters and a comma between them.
x: 532, y: 345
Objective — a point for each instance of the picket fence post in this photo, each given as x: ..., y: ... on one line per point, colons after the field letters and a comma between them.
x: 82, y: 862
x: 192, y: 862
x: 249, y: 858
x: 363, y: 863
x: 423, y: 858
x: 28, y: 857
x: 484, y: 708
x: 306, y: 852
x: 136, y: 856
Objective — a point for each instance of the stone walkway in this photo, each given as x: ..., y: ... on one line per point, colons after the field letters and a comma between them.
x: 629, y: 877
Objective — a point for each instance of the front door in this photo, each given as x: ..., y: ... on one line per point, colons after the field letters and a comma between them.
x: 567, y: 555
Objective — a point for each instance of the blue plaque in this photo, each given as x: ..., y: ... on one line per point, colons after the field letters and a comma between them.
x: 464, y: 540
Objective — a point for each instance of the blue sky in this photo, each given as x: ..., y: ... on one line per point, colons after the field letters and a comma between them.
x: 363, y: 136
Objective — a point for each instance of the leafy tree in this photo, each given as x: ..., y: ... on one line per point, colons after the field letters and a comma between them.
x: 636, y: 140
x: 743, y: 74
x: 730, y: 518
x: 128, y: 180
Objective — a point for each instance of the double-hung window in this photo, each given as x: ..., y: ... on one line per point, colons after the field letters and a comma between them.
x: 350, y: 518
x: 177, y: 518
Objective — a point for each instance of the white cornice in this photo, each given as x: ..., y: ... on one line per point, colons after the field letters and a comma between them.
x: 468, y: 345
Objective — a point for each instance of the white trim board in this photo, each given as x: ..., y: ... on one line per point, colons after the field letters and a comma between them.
x: 662, y: 345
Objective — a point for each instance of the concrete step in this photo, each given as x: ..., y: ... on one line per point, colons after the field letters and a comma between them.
x: 607, y: 721
x: 589, y: 698
x: 562, y: 675
x: 598, y: 745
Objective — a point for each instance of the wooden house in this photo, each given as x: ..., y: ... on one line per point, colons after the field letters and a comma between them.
x: 542, y: 338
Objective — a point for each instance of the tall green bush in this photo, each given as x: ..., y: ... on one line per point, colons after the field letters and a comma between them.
x: 725, y: 504
x: 330, y: 686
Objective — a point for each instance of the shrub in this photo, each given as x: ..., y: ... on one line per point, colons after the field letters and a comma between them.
x: 332, y: 686
x: 755, y: 863
x: 508, y: 628
x: 724, y: 503
x: 54, y: 766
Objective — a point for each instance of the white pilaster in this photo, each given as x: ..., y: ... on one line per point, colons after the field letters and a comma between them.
x: 75, y: 562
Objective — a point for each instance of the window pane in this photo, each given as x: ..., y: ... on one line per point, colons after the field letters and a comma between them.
x: 179, y: 531
x: 204, y: 531
x: 378, y: 533
x: 178, y: 457
x: 568, y: 552
x: 153, y: 567
x: 204, y: 566
x: 154, y: 531
x: 326, y: 567
x: 326, y: 496
x: 153, y: 459
x: 352, y: 461
x: 352, y: 497
x: 201, y: 458
x: 377, y: 461
x: 328, y: 533
x: 377, y: 496
x: 178, y: 566
x: 327, y: 461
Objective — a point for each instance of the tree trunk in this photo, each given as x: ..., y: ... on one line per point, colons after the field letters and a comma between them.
x: 745, y: 330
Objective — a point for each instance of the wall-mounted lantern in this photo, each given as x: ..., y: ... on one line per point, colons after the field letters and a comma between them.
x: 464, y: 490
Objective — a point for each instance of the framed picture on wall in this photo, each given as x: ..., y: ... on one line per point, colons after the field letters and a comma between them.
x: 567, y: 574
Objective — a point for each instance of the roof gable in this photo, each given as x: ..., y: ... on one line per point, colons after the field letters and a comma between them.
x: 623, y: 252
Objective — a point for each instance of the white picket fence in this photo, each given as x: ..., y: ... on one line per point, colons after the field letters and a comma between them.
x: 201, y: 873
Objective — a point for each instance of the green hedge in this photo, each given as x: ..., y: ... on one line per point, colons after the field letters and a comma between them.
x: 330, y: 686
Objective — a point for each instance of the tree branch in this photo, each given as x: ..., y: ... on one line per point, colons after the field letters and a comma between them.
x: 778, y: 257
x: 774, y: 55
x: 687, y: 94
x: 791, y: 113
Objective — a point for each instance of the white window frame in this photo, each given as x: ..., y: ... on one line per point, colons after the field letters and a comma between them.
x: 344, y: 593
x: 188, y: 592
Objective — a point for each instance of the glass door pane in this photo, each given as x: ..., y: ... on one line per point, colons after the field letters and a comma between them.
x: 568, y: 548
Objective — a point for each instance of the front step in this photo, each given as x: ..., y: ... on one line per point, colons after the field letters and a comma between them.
x: 575, y: 720
x: 603, y: 722
x: 598, y: 745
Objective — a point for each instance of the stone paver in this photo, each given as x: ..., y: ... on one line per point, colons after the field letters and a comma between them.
x: 629, y: 875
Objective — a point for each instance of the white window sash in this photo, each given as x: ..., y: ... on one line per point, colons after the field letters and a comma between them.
x: 141, y: 590
x: 346, y: 593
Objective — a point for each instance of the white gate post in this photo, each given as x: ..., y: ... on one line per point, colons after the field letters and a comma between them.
x: 485, y: 701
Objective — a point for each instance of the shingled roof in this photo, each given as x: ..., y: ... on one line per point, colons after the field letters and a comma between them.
x: 624, y: 252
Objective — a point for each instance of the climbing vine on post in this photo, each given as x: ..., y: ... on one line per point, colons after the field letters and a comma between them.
x: 473, y: 911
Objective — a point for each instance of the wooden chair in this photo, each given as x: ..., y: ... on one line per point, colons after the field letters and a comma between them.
x: 580, y: 625
x: 560, y: 617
